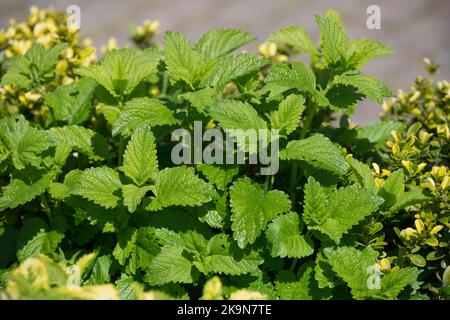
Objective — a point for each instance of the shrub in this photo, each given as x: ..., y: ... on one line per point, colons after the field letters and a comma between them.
x: 93, y: 206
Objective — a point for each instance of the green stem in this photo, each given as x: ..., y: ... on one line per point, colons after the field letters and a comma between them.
x: 309, y: 120
x: 121, y: 151
x: 293, y: 181
x: 293, y: 265
x: 165, y: 84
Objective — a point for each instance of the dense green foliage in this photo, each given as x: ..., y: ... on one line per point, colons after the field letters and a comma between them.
x: 92, y: 206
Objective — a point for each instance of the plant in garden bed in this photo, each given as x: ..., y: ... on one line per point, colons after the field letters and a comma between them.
x: 92, y: 205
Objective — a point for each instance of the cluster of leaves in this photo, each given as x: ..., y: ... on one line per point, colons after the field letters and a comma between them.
x: 92, y: 206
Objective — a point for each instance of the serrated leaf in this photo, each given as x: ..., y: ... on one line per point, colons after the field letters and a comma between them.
x: 144, y: 250
x: 121, y: 70
x: 182, y: 61
x: 35, y: 67
x: 296, y: 38
x: 179, y: 186
x: 219, y: 42
x: 343, y: 209
x: 71, y: 103
x: 231, y: 68
x: 299, y: 289
x: 217, y: 175
x: 24, y: 142
x: 234, y: 114
x: 35, y: 238
x: 127, y: 287
x: 126, y: 241
x: 253, y: 208
x: 20, y: 191
x: 287, y: 117
x: 133, y: 195
x: 75, y: 138
x: 201, y: 99
x: 318, y: 151
x: 353, y: 265
x: 333, y: 40
x: 140, y: 162
x: 169, y: 266
x: 366, y: 85
x: 99, y: 185
x: 362, y: 50
x: 377, y: 133
x: 283, y: 233
x: 101, y: 270
x: 142, y: 111
x: 294, y: 75
x: 407, y: 199
x: 363, y: 175
x: 392, y: 188
x: 315, y: 204
x: 222, y: 257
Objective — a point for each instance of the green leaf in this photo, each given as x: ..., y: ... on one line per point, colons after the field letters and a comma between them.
x: 377, y: 133
x: 409, y: 198
x: 318, y: 151
x: 253, y: 208
x: 222, y: 257
x: 99, y: 185
x: 315, y: 205
x: 142, y: 111
x: 101, y: 270
x: 125, y: 245
x: 219, y: 42
x: 234, y: 114
x: 296, y: 38
x: 362, y: 50
x: 201, y: 99
x: 182, y: 61
x: 139, y: 161
x: 121, y: 70
x: 343, y: 209
x: 24, y: 142
x: 144, y: 250
x: 20, y: 190
x: 392, y: 188
x: 75, y: 138
x: 363, y: 175
x: 283, y: 233
x: 287, y: 117
x: 132, y: 196
x: 34, y: 68
x: 299, y: 289
x: 231, y: 68
x: 366, y: 85
x: 393, y: 283
x: 333, y: 40
x: 127, y: 287
x: 354, y: 267
x: 179, y: 186
x: 34, y: 238
x: 171, y: 265
x: 72, y: 103
x: 217, y: 175
x: 296, y: 75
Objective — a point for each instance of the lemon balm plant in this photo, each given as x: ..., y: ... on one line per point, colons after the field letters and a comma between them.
x: 93, y: 206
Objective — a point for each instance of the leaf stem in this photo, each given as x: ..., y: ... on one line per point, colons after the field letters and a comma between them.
x: 293, y: 181
x: 293, y: 265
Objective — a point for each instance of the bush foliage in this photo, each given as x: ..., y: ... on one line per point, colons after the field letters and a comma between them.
x: 92, y: 207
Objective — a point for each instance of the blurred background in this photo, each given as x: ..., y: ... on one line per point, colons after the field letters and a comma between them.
x: 412, y: 28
